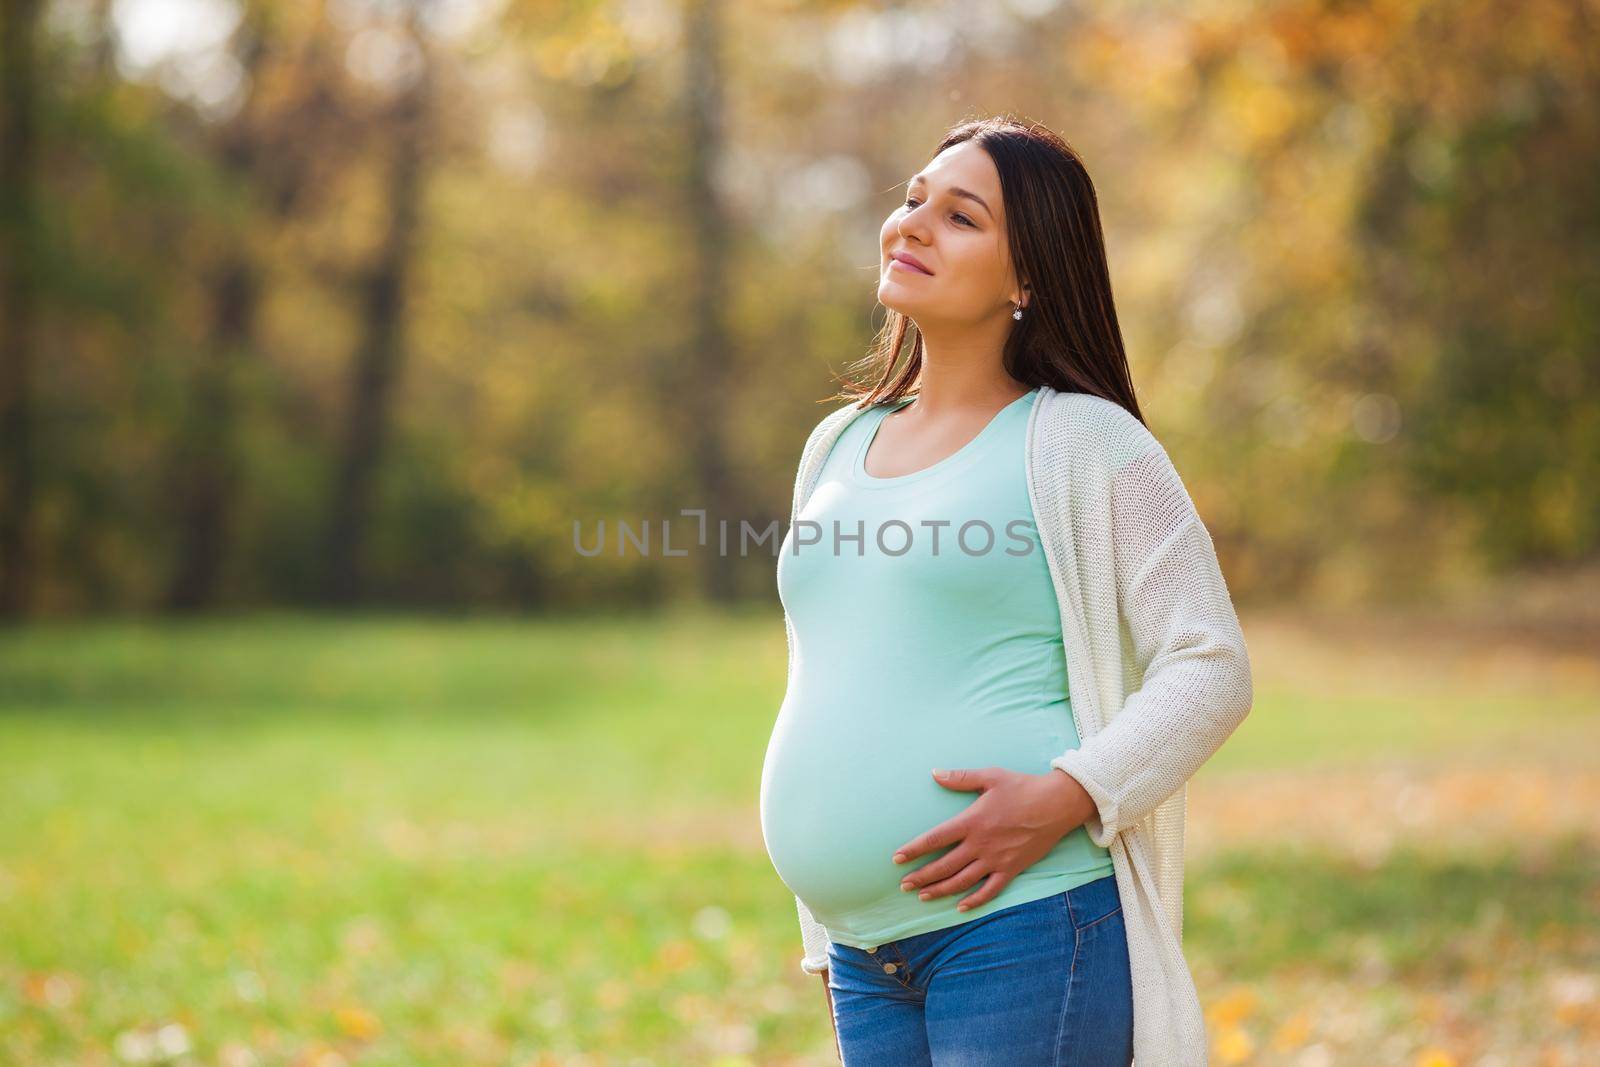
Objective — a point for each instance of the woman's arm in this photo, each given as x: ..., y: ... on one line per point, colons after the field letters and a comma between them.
x: 1187, y: 647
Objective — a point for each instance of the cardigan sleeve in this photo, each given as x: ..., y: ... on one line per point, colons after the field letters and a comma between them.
x: 814, y: 939
x: 1187, y: 645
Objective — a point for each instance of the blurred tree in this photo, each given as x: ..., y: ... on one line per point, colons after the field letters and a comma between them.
x: 384, y: 308
x: 605, y: 267
x: 700, y: 411
x: 18, y: 162
x: 279, y: 148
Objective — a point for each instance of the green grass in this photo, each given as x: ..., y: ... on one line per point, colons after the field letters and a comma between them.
x: 400, y: 841
x: 1425, y: 911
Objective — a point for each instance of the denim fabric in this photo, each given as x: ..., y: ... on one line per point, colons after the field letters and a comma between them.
x: 1044, y: 983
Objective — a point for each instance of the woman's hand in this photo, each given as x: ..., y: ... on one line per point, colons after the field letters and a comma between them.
x: 1017, y: 819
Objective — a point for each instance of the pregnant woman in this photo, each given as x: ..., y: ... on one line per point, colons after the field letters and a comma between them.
x: 1010, y: 647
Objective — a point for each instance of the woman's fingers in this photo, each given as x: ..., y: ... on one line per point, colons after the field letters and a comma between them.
x: 991, y: 888
x: 939, y: 869
x: 967, y: 876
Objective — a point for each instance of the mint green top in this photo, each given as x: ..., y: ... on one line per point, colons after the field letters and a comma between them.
x: 947, y: 653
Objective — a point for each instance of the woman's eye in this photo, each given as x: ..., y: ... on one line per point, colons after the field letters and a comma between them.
x: 910, y: 202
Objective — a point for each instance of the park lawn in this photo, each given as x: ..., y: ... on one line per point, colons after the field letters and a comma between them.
x: 320, y: 840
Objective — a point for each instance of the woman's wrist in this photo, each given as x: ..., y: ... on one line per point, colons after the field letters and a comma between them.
x: 1076, y: 802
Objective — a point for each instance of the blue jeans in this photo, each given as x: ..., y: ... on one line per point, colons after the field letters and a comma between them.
x: 1040, y: 984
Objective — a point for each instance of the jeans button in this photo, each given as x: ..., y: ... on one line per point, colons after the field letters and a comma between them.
x: 890, y: 968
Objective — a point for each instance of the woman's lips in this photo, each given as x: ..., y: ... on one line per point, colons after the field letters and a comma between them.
x: 903, y: 265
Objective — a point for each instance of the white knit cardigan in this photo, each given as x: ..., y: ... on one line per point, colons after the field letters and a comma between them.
x: 1158, y: 675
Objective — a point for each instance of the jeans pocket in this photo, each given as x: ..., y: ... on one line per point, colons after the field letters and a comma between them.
x: 1093, y: 902
x: 840, y: 961
x: 1097, y: 1024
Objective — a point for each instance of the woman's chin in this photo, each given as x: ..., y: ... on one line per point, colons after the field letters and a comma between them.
x: 894, y: 297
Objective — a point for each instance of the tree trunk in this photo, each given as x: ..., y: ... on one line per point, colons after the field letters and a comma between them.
x: 701, y: 391
x: 17, y: 304
x: 206, y: 466
x: 381, y: 356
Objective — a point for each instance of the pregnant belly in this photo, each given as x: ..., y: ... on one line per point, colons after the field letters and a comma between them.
x: 841, y: 792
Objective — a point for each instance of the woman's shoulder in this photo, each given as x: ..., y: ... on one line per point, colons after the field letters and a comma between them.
x: 811, y: 453
x: 1087, y: 426
x: 842, y: 413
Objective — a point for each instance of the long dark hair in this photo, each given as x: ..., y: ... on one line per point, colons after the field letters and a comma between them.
x: 1068, y: 337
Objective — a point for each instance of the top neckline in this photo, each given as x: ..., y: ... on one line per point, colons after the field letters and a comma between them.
x: 978, y: 440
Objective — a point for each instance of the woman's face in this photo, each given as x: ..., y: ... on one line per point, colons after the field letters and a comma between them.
x: 959, y: 240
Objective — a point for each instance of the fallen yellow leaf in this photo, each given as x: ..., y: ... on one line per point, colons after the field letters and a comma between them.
x: 1233, y: 1045
x: 1233, y: 1007
x: 357, y: 1022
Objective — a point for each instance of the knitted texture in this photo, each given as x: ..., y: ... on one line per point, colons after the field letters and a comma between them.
x: 1157, y: 671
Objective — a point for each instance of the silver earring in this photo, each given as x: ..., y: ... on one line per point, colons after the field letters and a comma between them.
x: 1017, y: 314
